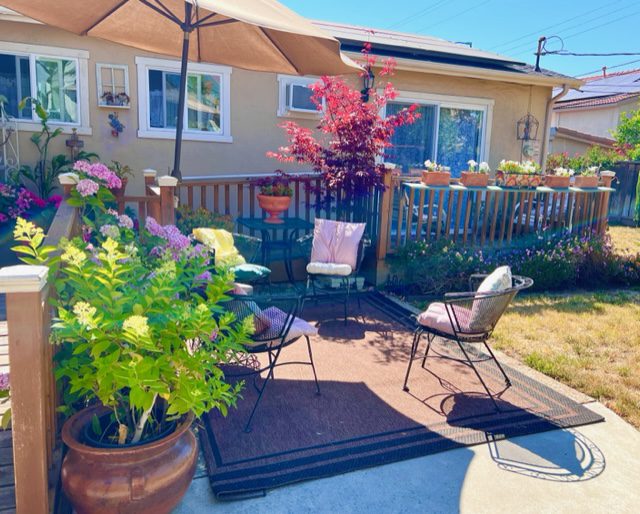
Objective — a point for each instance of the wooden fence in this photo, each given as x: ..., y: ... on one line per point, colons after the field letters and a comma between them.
x: 489, y: 216
x: 623, y: 201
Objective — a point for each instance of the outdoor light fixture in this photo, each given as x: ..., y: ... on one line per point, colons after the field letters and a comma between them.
x: 527, y: 128
x: 368, y: 79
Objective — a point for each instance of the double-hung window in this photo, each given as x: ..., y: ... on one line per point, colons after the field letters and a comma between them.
x: 207, y: 109
x: 450, y: 131
x: 52, y: 75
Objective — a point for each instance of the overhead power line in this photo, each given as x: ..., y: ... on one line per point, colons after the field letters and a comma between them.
x: 599, y: 70
x: 456, y: 15
x: 417, y: 15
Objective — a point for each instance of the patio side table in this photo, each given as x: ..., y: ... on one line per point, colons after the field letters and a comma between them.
x: 280, y: 236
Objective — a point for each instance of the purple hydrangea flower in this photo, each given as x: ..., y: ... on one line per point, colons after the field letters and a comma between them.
x: 5, y: 384
x: 87, y: 187
x: 125, y: 221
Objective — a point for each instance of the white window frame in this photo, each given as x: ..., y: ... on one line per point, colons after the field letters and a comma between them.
x: 81, y: 58
x: 453, y: 102
x: 284, y: 110
x: 125, y: 68
x: 144, y: 64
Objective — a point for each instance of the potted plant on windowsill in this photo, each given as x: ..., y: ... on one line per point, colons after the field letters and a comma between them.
x: 274, y: 196
x: 587, y: 178
x: 435, y: 174
x: 516, y: 174
x: 139, y: 354
x: 558, y: 178
x: 476, y: 176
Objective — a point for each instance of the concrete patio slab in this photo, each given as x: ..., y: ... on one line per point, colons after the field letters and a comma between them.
x: 590, y: 469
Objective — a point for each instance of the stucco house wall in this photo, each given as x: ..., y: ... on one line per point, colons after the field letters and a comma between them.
x: 253, y: 112
x: 597, y: 121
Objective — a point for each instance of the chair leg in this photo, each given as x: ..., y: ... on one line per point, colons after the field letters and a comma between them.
x: 414, y: 348
x: 507, y: 380
x: 313, y: 366
x: 346, y: 299
x: 430, y: 338
x: 272, y: 364
x: 484, y: 384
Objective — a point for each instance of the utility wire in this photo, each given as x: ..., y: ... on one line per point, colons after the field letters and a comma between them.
x: 458, y: 14
x: 576, y: 54
x: 599, y: 70
x: 581, y: 24
x: 539, y: 31
x: 416, y: 15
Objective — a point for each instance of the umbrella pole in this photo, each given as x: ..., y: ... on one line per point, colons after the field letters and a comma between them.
x: 183, y: 90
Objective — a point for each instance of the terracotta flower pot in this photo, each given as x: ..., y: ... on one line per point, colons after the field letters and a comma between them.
x: 473, y: 179
x: 436, y: 178
x: 149, y: 478
x: 119, y: 193
x: 586, y: 182
x: 519, y: 179
x: 274, y: 206
x: 556, y: 181
x: 606, y: 177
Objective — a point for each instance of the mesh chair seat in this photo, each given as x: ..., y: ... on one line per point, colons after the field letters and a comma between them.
x: 273, y: 335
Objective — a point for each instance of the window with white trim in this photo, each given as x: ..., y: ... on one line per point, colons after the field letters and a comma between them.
x: 294, y: 96
x: 55, y: 76
x: 450, y: 131
x: 207, y: 106
x: 113, y: 85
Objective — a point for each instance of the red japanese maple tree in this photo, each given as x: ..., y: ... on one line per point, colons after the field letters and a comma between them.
x: 352, y: 135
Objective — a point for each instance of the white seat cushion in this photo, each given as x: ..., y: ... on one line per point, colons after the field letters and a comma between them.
x: 329, y: 268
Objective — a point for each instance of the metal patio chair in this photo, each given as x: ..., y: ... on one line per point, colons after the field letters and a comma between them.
x: 320, y: 286
x: 277, y: 326
x: 466, y: 318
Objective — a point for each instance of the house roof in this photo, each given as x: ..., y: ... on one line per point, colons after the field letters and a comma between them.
x: 602, y: 90
x: 581, y: 136
x: 438, y: 52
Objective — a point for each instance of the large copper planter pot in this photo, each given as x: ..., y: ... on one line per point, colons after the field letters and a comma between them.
x: 586, y: 182
x: 436, y: 178
x: 150, y: 478
x: 274, y: 206
x: 472, y: 179
x: 557, y: 181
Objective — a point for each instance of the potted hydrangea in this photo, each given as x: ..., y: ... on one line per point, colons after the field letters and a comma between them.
x: 275, y: 196
x: 123, y: 172
x: 587, y: 178
x: 516, y: 174
x: 435, y: 174
x: 558, y: 177
x: 477, y: 175
x: 142, y: 333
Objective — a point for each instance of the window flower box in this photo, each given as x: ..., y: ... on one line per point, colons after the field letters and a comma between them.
x: 586, y: 181
x: 557, y: 181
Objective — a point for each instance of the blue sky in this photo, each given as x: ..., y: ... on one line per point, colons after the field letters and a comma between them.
x: 510, y: 27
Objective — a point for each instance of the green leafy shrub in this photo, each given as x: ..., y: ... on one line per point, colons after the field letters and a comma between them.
x: 187, y: 219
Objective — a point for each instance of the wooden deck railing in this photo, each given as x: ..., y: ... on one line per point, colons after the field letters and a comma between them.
x: 490, y: 216
x: 33, y: 389
x: 157, y: 202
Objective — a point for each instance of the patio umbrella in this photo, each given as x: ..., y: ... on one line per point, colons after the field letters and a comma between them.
x: 260, y: 35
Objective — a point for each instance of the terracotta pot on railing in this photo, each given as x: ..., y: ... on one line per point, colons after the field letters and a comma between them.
x: 119, y: 193
x: 518, y: 179
x: 473, y: 179
x: 557, y: 181
x: 274, y: 206
x: 436, y: 178
x: 606, y: 177
x: 149, y: 478
x: 586, y: 182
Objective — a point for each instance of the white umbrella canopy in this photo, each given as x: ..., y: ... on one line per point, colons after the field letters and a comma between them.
x: 260, y: 35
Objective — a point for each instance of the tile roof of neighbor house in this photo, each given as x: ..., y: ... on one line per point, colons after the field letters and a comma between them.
x: 601, y: 90
x: 431, y: 49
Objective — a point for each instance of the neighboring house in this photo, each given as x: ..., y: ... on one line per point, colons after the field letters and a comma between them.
x: 470, y: 100
x: 587, y: 116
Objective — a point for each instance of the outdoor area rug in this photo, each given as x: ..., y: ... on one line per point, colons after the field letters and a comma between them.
x: 363, y: 417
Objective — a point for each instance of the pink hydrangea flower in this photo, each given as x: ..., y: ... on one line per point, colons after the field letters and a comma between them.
x: 83, y: 166
x: 125, y: 221
x: 100, y: 171
x: 5, y: 384
x: 87, y: 187
x: 154, y: 228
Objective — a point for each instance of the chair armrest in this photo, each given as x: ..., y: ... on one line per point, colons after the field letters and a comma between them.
x: 475, y: 279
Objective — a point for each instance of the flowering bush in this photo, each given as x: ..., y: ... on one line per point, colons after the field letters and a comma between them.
x: 590, y: 171
x: 17, y: 201
x: 188, y: 219
x: 5, y: 396
x: 519, y: 168
x: 434, y: 166
x: 277, y: 185
x: 562, y: 172
x: 554, y: 262
x: 353, y: 134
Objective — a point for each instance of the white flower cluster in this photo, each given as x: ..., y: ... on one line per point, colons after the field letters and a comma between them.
x: 564, y: 172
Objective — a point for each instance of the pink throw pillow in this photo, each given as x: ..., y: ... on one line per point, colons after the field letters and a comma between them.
x: 336, y: 242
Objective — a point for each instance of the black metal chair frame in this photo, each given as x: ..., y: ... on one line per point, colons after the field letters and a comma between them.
x: 345, y: 280
x: 272, y: 344
x: 461, y: 338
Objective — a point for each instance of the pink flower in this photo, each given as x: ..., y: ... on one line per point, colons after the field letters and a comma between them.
x: 4, y: 382
x: 83, y: 166
x: 56, y: 200
x: 125, y: 221
x: 154, y: 228
x: 100, y: 171
x: 87, y: 187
